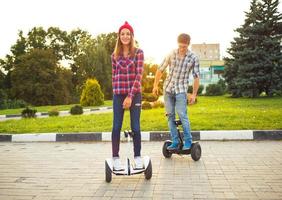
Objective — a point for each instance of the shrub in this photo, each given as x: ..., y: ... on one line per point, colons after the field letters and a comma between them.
x: 158, y: 104
x: 12, y: 104
x: 200, y: 90
x: 146, y: 105
x: 53, y: 113
x: 214, y: 90
x: 76, y: 110
x: 149, y: 97
x: 29, y: 113
x: 3, y: 97
x: 92, y: 94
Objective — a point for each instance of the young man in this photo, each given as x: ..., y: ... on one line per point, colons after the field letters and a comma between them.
x: 180, y: 61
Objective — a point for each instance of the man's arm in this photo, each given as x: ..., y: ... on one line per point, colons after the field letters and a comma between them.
x: 196, y: 84
x: 159, y: 74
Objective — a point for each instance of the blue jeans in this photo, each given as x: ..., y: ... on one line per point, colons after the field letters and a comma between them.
x: 135, y: 111
x: 178, y: 103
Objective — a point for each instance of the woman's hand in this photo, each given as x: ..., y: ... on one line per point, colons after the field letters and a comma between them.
x: 127, y: 103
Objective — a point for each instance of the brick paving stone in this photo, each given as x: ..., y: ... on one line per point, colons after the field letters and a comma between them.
x: 75, y: 171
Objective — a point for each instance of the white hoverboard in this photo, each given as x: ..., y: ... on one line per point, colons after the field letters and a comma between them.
x: 129, y: 168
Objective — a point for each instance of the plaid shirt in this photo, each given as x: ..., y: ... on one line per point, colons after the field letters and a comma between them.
x: 177, y: 80
x: 127, y: 74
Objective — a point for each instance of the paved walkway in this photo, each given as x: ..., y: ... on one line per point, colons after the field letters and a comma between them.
x: 57, y: 171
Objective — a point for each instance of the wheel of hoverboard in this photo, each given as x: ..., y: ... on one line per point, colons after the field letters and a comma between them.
x: 148, y: 172
x: 196, y: 151
x: 166, y: 153
x: 108, y: 172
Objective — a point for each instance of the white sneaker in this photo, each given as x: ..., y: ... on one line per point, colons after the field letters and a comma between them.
x: 138, y: 162
x: 117, y: 164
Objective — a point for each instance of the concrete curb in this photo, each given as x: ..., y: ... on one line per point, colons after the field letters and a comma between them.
x: 146, y: 136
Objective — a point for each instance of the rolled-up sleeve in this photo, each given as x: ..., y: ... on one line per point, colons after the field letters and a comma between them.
x: 113, y: 68
x: 139, y: 70
x: 196, y: 68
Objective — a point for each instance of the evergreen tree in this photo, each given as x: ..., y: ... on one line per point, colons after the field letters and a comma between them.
x: 271, y: 47
x: 255, y: 63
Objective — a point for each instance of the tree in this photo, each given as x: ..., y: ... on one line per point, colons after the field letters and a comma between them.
x: 3, y: 95
x: 108, y: 41
x: 88, y: 57
x: 8, y: 63
x: 103, y: 70
x: 95, y: 62
x: 2, y: 79
x: 255, y: 60
x: 38, y: 80
x: 64, y: 46
x: 271, y: 28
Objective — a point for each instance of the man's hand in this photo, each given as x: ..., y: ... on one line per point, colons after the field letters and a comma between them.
x: 127, y: 103
x: 192, y: 99
x: 156, y: 82
x: 155, y: 90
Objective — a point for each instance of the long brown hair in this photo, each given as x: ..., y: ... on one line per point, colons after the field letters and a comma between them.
x: 119, y: 47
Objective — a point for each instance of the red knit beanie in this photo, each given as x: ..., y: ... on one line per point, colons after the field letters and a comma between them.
x: 126, y: 25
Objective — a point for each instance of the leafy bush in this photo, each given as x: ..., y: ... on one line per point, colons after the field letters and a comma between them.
x: 223, y: 84
x: 146, y: 105
x: 53, y: 113
x: 76, y: 110
x: 149, y: 97
x: 158, y: 104
x: 92, y: 94
x: 214, y: 90
x: 12, y: 104
x: 29, y: 113
x: 200, y: 90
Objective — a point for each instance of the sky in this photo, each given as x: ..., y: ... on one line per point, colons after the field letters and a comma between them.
x: 156, y: 23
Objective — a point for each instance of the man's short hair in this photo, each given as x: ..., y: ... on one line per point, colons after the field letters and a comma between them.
x: 184, y: 38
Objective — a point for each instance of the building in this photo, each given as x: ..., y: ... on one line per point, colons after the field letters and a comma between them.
x: 206, y: 51
x: 211, y: 71
x: 211, y: 67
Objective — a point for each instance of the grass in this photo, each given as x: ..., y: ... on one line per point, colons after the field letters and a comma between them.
x: 47, y: 108
x: 210, y: 113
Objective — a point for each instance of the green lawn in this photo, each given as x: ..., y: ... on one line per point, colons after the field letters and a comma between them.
x: 47, y: 108
x: 210, y: 113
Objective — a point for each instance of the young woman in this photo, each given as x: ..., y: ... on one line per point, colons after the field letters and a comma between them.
x: 127, y: 68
